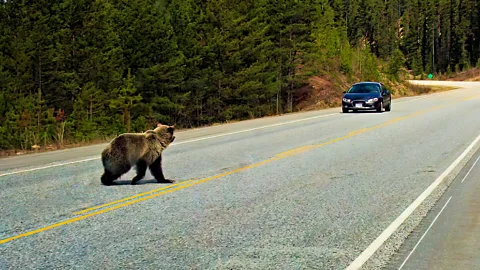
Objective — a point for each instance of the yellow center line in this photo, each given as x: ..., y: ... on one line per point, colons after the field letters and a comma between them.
x: 471, y: 97
x: 353, y: 134
x: 75, y: 219
x: 185, y: 184
x: 130, y: 198
x: 281, y: 155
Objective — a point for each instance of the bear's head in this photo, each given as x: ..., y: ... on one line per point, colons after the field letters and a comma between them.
x: 164, y: 133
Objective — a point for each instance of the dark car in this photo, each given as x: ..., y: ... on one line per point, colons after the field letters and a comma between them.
x: 367, y: 96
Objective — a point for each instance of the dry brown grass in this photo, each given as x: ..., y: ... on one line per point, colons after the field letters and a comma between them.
x: 326, y: 91
x: 468, y: 75
x: 318, y: 94
x: 416, y: 90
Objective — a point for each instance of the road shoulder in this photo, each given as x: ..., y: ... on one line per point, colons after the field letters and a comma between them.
x: 448, y: 236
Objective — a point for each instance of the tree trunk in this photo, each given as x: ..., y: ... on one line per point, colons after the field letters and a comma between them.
x: 91, y: 107
x: 290, y: 71
x: 218, y: 97
x: 62, y: 132
x: 289, y: 93
x: 38, y: 75
x: 126, y: 119
x: 279, y: 89
x: 60, y: 128
x: 39, y: 113
x: 291, y: 89
x: 39, y: 87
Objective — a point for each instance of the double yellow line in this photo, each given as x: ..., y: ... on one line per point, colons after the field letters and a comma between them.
x: 108, y: 207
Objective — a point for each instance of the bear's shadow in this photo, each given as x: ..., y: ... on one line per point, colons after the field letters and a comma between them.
x: 141, y: 182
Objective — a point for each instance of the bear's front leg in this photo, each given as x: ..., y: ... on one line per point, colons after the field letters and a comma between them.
x: 157, y: 172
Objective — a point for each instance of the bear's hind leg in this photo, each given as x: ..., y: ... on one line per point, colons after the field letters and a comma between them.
x: 157, y: 172
x: 141, y: 170
x: 108, y: 176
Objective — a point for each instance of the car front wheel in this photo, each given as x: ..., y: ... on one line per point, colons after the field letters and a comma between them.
x: 389, y: 107
x: 344, y: 110
x: 380, y: 107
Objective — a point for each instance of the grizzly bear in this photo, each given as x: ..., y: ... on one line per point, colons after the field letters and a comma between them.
x: 137, y: 149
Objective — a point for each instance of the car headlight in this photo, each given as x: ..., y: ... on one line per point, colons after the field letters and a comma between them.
x: 372, y: 100
x: 346, y: 100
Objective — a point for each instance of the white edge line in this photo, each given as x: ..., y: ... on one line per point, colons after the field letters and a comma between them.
x: 377, y: 243
x: 428, y: 229
x: 257, y: 128
x: 469, y: 171
x: 413, y: 98
x: 214, y: 136
x: 49, y: 166
x: 184, y: 142
x: 417, y: 98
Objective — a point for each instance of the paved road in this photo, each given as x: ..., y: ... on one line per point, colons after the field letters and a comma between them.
x: 309, y: 191
x: 448, y: 238
x: 183, y: 136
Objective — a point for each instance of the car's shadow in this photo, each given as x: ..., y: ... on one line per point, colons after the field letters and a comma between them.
x: 366, y: 112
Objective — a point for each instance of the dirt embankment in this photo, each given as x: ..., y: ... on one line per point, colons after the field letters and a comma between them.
x: 327, y: 91
x: 320, y: 93
x: 471, y: 75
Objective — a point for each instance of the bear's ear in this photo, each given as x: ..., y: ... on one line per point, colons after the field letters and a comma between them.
x: 171, y: 129
x: 159, y: 124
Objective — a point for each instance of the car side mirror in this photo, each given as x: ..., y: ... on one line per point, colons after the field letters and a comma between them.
x: 344, y: 92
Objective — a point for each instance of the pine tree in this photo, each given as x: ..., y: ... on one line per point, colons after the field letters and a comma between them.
x: 396, y: 63
x: 104, y: 67
x: 125, y: 98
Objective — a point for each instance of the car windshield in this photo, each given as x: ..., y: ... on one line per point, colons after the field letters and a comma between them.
x: 364, y: 88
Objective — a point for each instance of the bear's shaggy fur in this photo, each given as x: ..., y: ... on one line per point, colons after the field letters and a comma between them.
x: 137, y: 149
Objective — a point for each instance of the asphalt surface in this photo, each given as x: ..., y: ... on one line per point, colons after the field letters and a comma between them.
x: 182, y: 136
x: 448, y: 237
x: 311, y: 192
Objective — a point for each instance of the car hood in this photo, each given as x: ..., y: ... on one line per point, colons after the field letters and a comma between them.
x: 355, y: 96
